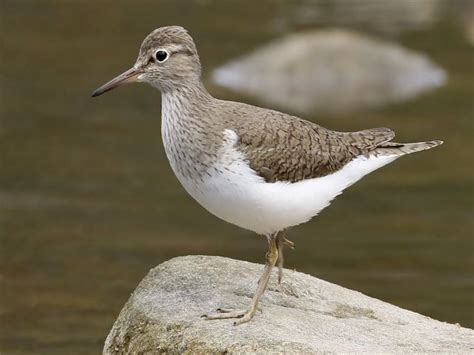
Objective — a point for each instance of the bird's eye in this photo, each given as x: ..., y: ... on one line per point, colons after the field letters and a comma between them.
x: 161, y: 55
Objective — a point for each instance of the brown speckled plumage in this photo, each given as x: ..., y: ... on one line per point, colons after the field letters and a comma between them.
x: 281, y: 147
x: 278, y: 146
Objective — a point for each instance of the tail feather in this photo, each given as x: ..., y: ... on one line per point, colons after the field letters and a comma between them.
x: 399, y: 149
x: 368, y: 139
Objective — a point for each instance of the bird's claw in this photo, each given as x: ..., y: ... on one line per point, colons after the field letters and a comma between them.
x: 225, y: 313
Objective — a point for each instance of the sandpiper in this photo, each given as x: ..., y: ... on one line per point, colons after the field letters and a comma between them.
x: 259, y: 169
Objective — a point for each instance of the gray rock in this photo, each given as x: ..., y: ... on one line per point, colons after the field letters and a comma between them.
x: 302, y: 315
x: 330, y: 71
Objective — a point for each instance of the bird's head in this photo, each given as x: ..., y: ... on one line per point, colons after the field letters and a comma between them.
x: 167, y: 59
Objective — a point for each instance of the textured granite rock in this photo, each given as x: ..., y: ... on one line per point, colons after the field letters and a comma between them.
x: 330, y: 71
x: 302, y: 315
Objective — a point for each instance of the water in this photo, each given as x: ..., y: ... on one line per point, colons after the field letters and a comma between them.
x: 88, y: 203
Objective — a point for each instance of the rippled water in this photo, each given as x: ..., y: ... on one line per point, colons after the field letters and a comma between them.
x: 88, y: 203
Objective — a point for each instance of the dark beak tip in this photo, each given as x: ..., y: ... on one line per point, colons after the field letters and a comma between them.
x: 126, y: 77
x: 99, y: 91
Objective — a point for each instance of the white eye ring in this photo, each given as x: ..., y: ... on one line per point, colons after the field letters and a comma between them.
x: 161, y: 55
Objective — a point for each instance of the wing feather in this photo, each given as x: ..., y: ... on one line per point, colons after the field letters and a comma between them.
x: 281, y: 147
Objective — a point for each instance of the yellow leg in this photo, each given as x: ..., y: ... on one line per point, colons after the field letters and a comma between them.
x: 281, y: 243
x: 244, y: 316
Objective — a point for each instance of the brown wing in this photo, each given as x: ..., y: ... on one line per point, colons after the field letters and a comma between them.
x: 280, y: 147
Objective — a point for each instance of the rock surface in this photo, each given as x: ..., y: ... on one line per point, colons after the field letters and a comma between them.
x: 330, y: 71
x: 302, y: 315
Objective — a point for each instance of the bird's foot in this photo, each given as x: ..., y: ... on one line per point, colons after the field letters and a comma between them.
x: 224, y: 313
x: 271, y: 259
x: 288, y: 243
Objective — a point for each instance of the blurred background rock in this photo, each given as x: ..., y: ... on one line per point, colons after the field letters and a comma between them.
x: 330, y: 71
x: 88, y: 203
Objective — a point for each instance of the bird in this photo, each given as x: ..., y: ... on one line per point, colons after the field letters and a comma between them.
x: 256, y: 168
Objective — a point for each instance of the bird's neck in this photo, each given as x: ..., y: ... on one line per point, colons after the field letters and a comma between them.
x: 185, y: 102
x: 189, y: 135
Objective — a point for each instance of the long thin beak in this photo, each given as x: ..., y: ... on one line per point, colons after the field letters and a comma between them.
x: 127, y: 77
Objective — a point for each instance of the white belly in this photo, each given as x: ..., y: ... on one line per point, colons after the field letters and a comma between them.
x: 239, y: 196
